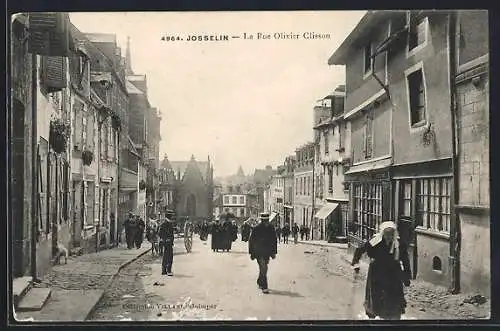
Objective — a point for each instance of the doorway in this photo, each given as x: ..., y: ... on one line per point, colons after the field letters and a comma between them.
x: 191, y: 206
x: 17, y: 187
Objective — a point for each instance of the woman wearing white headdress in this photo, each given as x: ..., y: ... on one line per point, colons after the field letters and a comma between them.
x: 389, y: 269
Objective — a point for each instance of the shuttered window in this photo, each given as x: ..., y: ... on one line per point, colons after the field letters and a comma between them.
x: 53, y: 73
x: 90, y: 131
x: 368, y: 136
x: 103, y: 141
x: 42, y: 185
x: 77, y: 127
x: 65, y: 201
x: 49, y: 33
x: 110, y: 142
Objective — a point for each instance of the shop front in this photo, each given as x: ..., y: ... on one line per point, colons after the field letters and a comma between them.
x: 370, y: 201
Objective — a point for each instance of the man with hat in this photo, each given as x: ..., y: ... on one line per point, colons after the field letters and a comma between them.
x: 166, y: 233
x: 130, y: 230
x: 262, y: 246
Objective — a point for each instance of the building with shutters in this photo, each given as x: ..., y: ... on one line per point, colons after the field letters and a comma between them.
x: 288, y: 189
x: 304, y: 194
x: 332, y: 159
x: 107, y: 81
x: 400, y: 99
x: 40, y: 129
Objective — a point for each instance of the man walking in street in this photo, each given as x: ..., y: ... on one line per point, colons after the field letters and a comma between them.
x: 167, y: 237
x: 130, y: 230
x: 262, y: 246
x: 286, y: 233
x: 278, y: 233
x: 308, y: 231
x: 295, y: 233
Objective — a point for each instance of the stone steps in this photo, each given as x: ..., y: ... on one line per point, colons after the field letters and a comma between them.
x: 20, y: 287
x: 34, y: 300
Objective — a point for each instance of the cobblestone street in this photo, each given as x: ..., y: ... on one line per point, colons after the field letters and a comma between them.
x: 306, y: 283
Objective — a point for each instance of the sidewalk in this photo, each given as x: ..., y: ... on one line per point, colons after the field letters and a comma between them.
x: 78, y: 286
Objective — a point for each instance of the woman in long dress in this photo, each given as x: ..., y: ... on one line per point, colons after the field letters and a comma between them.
x: 388, y: 271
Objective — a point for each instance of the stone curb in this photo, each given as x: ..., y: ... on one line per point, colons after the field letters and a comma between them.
x: 108, y: 284
x: 339, y: 246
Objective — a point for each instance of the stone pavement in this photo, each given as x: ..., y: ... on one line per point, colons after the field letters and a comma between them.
x: 78, y: 285
x: 424, y: 299
x: 306, y: 282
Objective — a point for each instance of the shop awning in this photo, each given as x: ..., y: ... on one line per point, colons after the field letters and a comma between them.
x: 326, y: 210
x: 272, y: 216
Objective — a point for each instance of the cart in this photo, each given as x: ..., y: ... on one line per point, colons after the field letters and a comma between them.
x: 188, y: 236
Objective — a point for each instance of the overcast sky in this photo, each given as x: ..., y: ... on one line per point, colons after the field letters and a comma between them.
x: 243, y: 102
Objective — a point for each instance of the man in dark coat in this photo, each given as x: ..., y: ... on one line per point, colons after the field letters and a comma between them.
x: 234, y: 231
x: 130, y: 230
x: 216, y: 234
x: 286, y: 233
x: 278, y: 233
x: 245, y: 231
x: 167, y: 236
x: 295, y: 233
x: 302, y: 232
x: 226, y: 230
x: 262, y: 246
x: 307, y: 231
x: 384, y: 295
x: 139, y: 235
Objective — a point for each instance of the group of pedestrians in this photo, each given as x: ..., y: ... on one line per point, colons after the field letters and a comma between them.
x: 134, y: 230
x: 286, y: 230
x: 223, y: 234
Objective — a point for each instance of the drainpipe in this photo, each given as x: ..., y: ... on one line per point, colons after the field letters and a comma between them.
x: 455, y: 230
x: 117, y: 223
x: 34, y: 162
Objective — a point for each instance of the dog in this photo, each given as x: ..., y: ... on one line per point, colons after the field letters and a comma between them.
x: 61, y: 252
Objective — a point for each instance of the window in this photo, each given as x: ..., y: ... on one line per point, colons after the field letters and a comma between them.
x: 242, y: 211
x: 367, y: 61
x: 326, y: 143
x: 234, y: 200
x: 367, y: 210
x: 417, y: 97
x: 226, y: 200
x: 342, y: 128
x: 230, y: 189
x: 308, y: 185
x: 330, y: 179
x: 296, y: 186
x: 242, y: 200
x: 418, y: 32
x: 433, y: 203
x: 368, y: 133
x: 406, y: 198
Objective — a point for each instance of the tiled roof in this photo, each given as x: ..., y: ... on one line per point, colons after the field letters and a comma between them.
x: 101, y: 37
x: 131, y: 89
